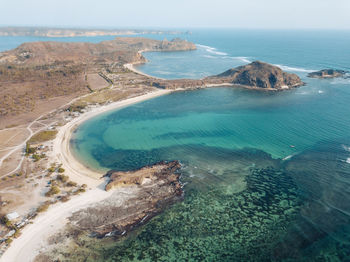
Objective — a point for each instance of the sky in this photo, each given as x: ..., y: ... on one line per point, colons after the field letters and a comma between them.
x: 268, y: 14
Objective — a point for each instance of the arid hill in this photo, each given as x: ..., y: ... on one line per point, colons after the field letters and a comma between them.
x: 259, y: 75
x: 41, y: 76
x: 120, y: 50
x: 256, y: 75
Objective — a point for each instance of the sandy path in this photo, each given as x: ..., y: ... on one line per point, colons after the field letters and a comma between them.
x: 34, y: 236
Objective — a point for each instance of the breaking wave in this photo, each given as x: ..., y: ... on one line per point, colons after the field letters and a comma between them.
x: 212, y: 50
x: 241, y: 58
x: 295, y: 69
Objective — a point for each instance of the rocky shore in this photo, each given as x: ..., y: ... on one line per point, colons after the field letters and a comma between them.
x: 156, y: 187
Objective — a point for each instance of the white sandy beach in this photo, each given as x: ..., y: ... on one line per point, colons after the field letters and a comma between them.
x: 61, y: 148
x: 131, y: 67
x: 33, y: 237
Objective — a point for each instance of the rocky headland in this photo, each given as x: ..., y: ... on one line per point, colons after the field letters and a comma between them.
x: 157, y: 186
x: 328, y: 73
x: 256, y: 75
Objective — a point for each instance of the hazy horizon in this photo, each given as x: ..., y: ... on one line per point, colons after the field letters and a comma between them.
x: 191, y: 14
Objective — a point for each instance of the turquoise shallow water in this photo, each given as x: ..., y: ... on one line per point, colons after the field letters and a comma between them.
x: 243, y: 202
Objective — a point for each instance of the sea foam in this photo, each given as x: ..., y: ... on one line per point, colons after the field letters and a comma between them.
x: 346, y: 148
x: 212, y: 50
x: 241, y: 58
x: 295, y: 69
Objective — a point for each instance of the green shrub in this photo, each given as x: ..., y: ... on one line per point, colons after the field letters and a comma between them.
x: 8, y: 241
x: 62, y: 178
x: 36, y: 157
x: 71, y: 184
x: 53, y: 191
x: 29, y: 150
x: 60, y: 170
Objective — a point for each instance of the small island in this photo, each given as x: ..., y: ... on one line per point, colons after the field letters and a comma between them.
x: 259, y: 75
x: 328, y: 73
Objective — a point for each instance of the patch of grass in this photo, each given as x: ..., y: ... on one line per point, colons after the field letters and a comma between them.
x: 98, y: 97
x: 43, y: 136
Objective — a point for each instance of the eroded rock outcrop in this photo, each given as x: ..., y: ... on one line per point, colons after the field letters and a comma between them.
x: 138, y: 196
x: 328, y: 73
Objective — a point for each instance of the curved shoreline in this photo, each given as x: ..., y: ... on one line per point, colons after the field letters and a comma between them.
x: 131, y: 66
x: 61, y: 147
x: 32, y: 241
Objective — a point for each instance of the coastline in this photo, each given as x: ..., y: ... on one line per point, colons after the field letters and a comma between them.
x: 131, y: 67
x: 33, y: 237
x: 61, y: 145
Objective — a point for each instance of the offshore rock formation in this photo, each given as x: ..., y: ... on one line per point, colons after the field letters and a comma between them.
x: 328, y: 73
x: 259, y: 75
x: 138, y: 196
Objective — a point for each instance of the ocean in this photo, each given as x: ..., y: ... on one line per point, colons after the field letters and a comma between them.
x: 266, y: 175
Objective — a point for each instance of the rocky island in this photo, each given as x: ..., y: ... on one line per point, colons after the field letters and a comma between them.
x: 259, y: 75
x: 328, y: 73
